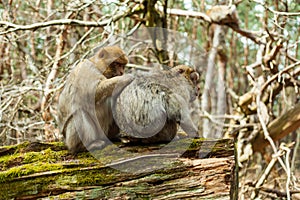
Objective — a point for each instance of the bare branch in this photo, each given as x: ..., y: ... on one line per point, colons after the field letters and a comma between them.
x: 15, y: 27
x: 185, y: 13
x: 285, y: 70
x: 280, y: 127
x: 229, y: 18
x: 276, y: 12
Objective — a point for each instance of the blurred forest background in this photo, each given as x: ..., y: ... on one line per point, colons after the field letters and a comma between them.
x: 248, y: 54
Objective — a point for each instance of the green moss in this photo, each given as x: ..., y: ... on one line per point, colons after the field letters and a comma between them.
x: 15, y: 148
x: 196, y: 143
x: 47, y: 155
x: 27, y: 169
x: 21, y: 146
x: 66, y: 195
x: 4, y: 160
x: 20, y: 164
x: 58, y: 144
x: 13, y: 189
x: 97, y: 177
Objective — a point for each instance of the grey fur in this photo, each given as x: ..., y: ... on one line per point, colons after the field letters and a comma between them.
x: 149, y: 108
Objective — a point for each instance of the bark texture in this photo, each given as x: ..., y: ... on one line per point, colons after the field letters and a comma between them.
x: 37, y: 170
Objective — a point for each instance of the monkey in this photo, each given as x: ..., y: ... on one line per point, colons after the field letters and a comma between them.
x: 110, y: 61
x: 84, y: 107
x: 148, y: 109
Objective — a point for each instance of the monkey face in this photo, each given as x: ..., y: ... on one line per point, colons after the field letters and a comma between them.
x: 192, y: 76
x: 110, y: 61
x: 188, y: 72
x: 114, y: 69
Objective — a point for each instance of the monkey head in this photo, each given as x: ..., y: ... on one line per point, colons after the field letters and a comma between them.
x: 191, y: 75
x: 110, y: 61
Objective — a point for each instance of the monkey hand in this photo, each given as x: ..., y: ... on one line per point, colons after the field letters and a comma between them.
x: 123, y: 81
x: 106, y: 88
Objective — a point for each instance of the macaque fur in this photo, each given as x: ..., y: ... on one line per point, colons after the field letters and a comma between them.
x: 85, y: 117
x: 150, y: 107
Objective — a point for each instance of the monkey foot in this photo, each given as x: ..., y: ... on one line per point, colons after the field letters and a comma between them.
x: 96, y: 145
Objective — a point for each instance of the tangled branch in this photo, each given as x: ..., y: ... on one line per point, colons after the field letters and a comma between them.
x: 15, y: 27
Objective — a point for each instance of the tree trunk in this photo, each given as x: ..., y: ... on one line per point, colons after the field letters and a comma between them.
x: 210, y: 104
x: 35, y: 170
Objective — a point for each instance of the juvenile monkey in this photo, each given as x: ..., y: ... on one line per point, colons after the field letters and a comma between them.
x: 85, y: 116
x: 149, y: 108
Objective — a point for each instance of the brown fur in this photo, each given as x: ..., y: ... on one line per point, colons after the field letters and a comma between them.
x: 85, y: 116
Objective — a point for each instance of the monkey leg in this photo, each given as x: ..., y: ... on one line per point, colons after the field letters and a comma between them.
x: 96, y: 145
x: 72, y: 140
x: 82, y: 132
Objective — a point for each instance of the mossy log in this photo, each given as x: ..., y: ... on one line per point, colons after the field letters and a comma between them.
x: 42, y: 170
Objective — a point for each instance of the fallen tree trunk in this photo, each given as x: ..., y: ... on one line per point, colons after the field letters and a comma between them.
x: 36, y: 170
x: 279, y: 128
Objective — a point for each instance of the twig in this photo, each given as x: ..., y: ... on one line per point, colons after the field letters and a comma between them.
x: 276, y: 12
x: 266, y: 173
x: 275, y: 191
x: 138, y: 67
x: 278, y: 75
x: 213, y: 117
x: 264, y: 127
x: 199, y: 15
x: 248, y: 34
x: 52, y: 74
x: 276, y: 155
x: 295, y: 155
x: 185, y: 13
x: 15, y: 27
x: 77, y: 43
x: 287, y: 163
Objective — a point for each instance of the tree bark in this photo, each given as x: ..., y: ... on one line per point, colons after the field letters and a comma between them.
x: 35, y: 170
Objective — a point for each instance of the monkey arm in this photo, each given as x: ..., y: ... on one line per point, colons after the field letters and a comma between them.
x: 106, y: 87
x: 65, y: 124
x: 188, y: 126
x: 186, y: 122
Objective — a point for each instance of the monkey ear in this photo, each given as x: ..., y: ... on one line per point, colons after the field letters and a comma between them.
x: 194, y: 77
x: 102, y: 53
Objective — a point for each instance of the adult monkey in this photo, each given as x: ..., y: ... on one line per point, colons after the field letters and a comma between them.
x: 84, y: 108
x: 148, y: 109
